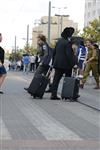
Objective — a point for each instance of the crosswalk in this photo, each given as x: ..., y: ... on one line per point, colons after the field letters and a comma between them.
x: 23, y: 109
x: 46, y: 124
x: 4, y: 133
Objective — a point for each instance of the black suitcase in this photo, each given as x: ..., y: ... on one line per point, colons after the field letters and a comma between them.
x: 70, y: 89
x: 38, y: 86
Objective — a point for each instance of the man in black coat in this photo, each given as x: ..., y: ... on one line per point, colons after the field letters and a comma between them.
x: 64, y: 59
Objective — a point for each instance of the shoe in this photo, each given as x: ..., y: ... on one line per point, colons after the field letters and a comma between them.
x: 97, y: 88
x: 1, y: 92
x: 26, y: 89
x: 55, y: 98
x: 48, y: 91
x: 82, y: 86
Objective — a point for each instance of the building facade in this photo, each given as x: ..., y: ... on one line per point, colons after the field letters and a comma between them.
x: 92, y: 11
x: 58, y: 23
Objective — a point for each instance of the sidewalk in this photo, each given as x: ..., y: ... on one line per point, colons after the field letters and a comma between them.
x: 29, y: 124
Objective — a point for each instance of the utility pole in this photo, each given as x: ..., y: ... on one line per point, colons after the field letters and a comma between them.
x: 61, y: 23
x: 49, y: 22
x: 15, y: 44
x: 15, y: 48
x: 62, y: 16
x: 27, y: 41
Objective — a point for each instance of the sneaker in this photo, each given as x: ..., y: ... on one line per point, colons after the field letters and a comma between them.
x: 26, y: 89
x: 97, y: 88
x: 81, y: 86
x: 1, y: 92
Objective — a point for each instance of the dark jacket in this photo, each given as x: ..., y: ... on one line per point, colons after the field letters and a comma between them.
x: 2, y: 53
x: 45, y: 54
x: 63, y: 55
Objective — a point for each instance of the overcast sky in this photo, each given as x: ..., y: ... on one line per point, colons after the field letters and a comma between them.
x: 16, y: 14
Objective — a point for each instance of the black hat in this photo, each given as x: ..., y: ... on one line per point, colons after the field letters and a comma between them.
x: 67, y: 32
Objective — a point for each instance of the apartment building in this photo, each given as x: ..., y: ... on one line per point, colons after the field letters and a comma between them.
x: 58, y: 23
x: 92, y: 11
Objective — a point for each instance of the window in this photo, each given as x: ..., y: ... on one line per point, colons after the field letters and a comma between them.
x: 89, y: 4
x: 88, y: 14
x: 94, y: 13
x: 94, y: 2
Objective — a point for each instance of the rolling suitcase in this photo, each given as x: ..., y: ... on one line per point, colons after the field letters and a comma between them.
x: 70, y: 89
x: 38, y: 85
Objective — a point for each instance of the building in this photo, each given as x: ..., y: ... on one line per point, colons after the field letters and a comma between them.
x: 58, y: 23
x: 92, y: 11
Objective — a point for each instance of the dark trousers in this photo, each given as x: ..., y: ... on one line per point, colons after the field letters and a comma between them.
x: 57, y: 77
x: 32, y: 67
x: 42, y: 69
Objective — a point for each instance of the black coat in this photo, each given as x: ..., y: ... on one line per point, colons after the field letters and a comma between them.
x: 63, y: 55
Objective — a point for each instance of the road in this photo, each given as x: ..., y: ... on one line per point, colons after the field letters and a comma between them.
x: 30, y: 124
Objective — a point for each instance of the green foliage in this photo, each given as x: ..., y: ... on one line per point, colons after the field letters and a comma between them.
x: 76, y: 33
x: 92, y: 31
x: 30, y: 50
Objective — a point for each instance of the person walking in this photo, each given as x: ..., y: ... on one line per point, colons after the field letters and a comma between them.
x: 45, y: 54
x: 91, y: 64
x: 26, y: 63
x: 63, y: 61
x: 2, y: 68
x: 32, y: 63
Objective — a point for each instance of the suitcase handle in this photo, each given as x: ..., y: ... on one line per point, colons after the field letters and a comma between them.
x: 48, y: 72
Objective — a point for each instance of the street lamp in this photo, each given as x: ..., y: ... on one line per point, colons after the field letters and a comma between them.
x: 60, y: 22
x: 62, y: 16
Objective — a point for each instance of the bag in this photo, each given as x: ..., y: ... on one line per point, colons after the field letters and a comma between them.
x: 70, y: 89
x: 38, y: 85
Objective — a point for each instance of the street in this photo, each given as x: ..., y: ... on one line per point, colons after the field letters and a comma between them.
x: 33, y: 124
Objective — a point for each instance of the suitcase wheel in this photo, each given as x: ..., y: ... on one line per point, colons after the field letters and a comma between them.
x: 34, y: 96
x: 64, y: 98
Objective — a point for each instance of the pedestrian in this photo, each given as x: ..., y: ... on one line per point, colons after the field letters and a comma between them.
x: 63, y: 61
x: 82, y: 54
x: 2, y: 68
x: 26, y: 63
x: 45, y: 55
x: 91, y: 64
x: 32, y: 63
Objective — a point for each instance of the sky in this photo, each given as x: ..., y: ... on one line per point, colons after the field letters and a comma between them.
x: 15, y: 15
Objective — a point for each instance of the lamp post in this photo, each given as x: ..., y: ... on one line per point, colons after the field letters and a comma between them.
x: 60, y: 20
x: 62, y: 16
x: 49, y: 22
x: 27, y: 38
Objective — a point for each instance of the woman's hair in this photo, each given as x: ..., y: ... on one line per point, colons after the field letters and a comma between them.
x: 42, y: 37
x: 89, y: 41
x: 0, y: 34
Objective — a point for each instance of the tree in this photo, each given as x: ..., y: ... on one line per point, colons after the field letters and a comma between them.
x: 92, y: 31
x: 29, y: 49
